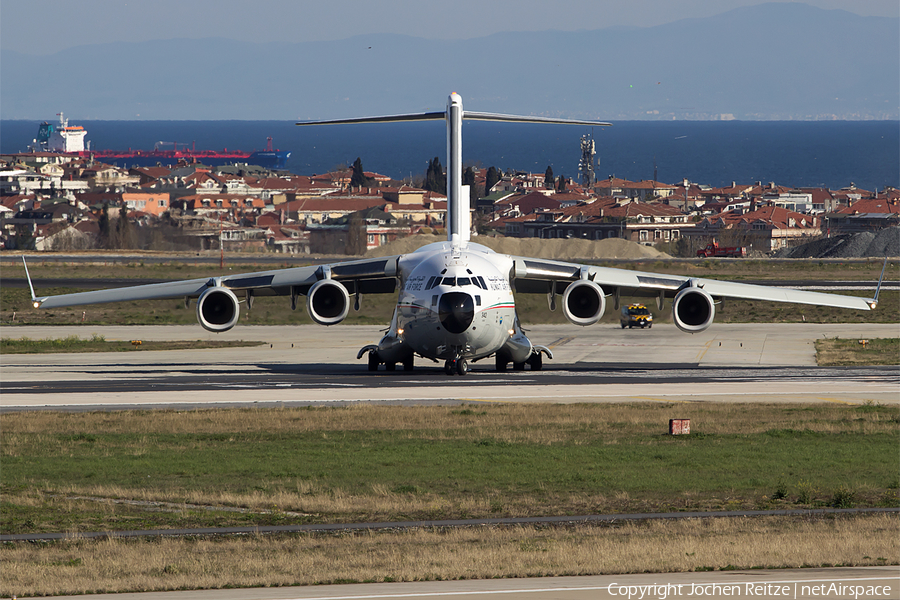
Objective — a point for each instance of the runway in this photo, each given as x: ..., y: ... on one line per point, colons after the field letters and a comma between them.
x: 859, y: 583
x: 310, y: 364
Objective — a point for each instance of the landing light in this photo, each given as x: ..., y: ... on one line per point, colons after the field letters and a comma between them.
x: 36, y: 304
x: 512, y: 332
x: 399, y: 331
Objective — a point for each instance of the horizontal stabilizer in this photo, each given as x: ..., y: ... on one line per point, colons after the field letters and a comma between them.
x: 483, y: 116
x: 429, y: 116
x: 472, y: 116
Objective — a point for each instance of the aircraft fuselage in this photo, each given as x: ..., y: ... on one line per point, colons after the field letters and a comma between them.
x: 455, y: 303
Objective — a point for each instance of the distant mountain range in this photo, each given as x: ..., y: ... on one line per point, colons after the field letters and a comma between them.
x: 779, y: 61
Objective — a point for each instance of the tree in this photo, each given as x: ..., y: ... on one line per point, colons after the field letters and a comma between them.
x: 561, y: 184
x: 358, y: 178
x: 103, y: 224
x: 468, y: 176
x: 357, y: 234
x: 123, y: 235
x: 469, y: 180
x: 491, y: 179
x: 435, y: 180
x: 548, y: 177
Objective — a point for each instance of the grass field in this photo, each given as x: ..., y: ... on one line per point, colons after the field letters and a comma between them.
x: 163, y: 469
x: 119, y: 565
x: 97, y: 343
x: 66, y: 472
x: 839, y: 352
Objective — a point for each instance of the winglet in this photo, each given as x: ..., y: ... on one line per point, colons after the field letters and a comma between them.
x: 874, y: 301
x: 34, y: 301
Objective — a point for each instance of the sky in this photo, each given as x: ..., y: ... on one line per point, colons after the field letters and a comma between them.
x: 50, y: 26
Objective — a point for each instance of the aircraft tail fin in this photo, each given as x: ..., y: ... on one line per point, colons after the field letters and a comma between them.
x: 458, y: 221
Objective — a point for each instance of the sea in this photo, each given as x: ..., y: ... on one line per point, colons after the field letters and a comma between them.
x: 832, y: 154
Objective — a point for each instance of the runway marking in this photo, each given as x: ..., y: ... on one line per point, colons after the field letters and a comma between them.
x: 835, y: 400
x: 486, y: 401
x: 561, y: 341
x: 466, y: 593
x: 703, y: 352
x: 593, y: 588
x: 664, y: 400
x: 136, y: 398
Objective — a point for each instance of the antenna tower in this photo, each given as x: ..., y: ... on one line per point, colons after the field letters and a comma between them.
x: 586, y: 164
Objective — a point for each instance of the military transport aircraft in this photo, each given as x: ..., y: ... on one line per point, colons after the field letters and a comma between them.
x: 456, y: 298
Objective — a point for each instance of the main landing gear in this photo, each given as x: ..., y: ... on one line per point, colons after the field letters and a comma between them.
x: 535, y: 361
x: 374, y: 360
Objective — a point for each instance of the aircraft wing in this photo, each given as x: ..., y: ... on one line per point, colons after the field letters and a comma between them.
x: 371, y: 276
x: 544, y: 276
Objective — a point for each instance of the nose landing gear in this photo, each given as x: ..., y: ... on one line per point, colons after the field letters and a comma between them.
x: 456, y: 366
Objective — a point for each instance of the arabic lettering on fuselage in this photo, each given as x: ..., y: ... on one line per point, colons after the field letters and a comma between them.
x: 415, y: 284
x: 496, y: 282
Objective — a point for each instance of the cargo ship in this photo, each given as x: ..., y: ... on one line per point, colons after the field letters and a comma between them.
x: 66, y: 139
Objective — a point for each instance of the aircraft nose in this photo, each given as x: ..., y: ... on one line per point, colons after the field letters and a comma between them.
x: 456, y: 311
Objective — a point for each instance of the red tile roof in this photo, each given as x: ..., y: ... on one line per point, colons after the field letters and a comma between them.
x: 870, y: 206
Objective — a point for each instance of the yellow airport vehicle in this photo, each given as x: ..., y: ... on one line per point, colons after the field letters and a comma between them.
x: 636, y: 315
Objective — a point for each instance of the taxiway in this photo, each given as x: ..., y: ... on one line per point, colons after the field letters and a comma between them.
x: 312, y: 364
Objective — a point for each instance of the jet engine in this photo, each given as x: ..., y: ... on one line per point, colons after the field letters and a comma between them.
x: 218, y: 309
x: 583, y: 302
x: 327, y: 302
x: 693, y: 310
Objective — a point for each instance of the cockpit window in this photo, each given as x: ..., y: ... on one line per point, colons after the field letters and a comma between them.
x: 435, y: 281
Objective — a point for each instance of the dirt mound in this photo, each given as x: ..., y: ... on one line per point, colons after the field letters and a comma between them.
x: 856, y: 245
x: 556, y: 249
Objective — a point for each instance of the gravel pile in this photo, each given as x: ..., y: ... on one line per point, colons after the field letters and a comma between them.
x: 555, y: 249
x: 857, y: 245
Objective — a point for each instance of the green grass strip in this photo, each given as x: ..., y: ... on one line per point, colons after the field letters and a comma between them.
x: 843, y: 352
x: 400, y: 463
x: 98, y: 343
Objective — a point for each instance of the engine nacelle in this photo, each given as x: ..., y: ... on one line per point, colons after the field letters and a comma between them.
x: 327, y: 302
x: 693, y: 310
x: 218, y: 309
x: 583, y: 302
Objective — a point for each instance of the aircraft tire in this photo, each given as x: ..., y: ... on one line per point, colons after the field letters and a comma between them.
x: 462, y: 367
x: 390, y: 366
x: 408, y: 363
x: 518, y: 366
x: 536, y: 362
x: 373, y: 361
x: 500, y: 363
x: 450, y: 367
